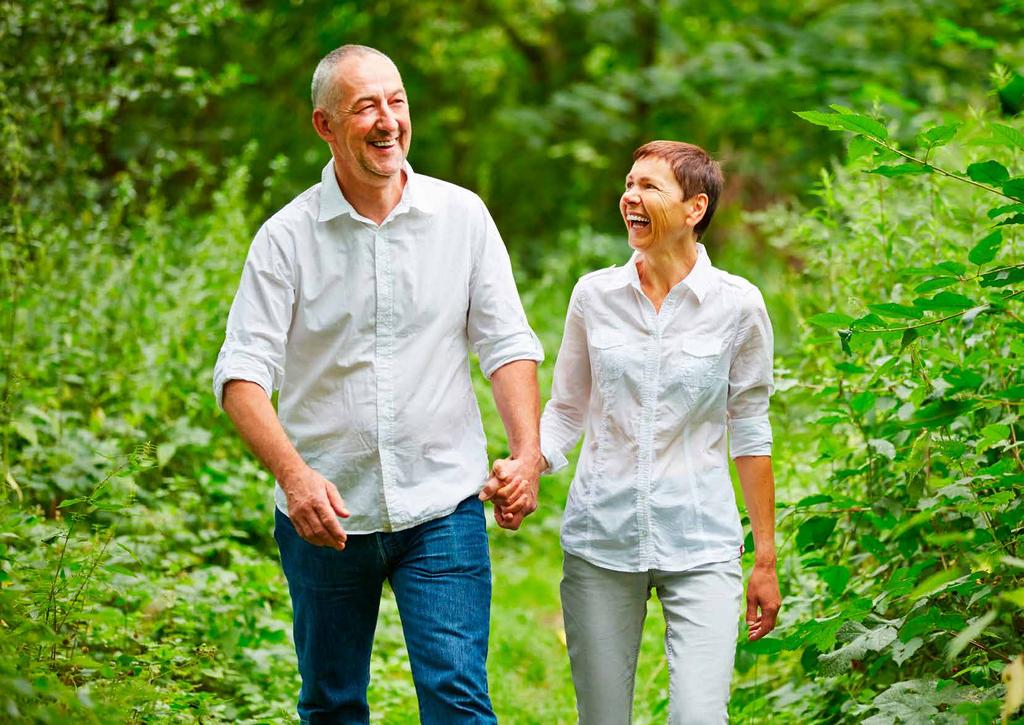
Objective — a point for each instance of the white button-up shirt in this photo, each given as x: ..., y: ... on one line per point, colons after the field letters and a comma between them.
x: 366, y: 332
x: 655, y: 394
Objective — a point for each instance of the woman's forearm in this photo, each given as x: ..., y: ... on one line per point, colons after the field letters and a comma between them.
x: 758, y: 483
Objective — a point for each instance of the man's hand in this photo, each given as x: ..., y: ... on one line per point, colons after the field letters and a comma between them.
x: 762, y: 593
x: 513, y: 487
x: 314, y: 506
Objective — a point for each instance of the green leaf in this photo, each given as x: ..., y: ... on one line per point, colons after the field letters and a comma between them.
x: 820, y: 118
x: 830, y: 320
x: 26, y: 430
x: 933, y: 620
x: 906, y: 169
x: 940, y: 135
x: 945, y: 301
x: 992, y: 434
x: 862, y: 125
x: 765, y: 646
x: 836, y: 577
x: 859, y: 147
x: 1016, y: 597
x: 936, y: 583
x: 814, y: 532
x: 1015, y: 219
x: 1003, y: 277
x: 862, y: 402
x: 1008, y: 134
x: 992, y: 173
x: 1014, y: 187
x: 973, y: 630
x: 1008, y: 209
x: 936, y: 283
x: 1014, y: 392
x: 985, y: 250
x: 898, y: 312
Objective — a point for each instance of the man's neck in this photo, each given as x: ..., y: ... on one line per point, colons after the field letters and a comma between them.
x: 373, y: 201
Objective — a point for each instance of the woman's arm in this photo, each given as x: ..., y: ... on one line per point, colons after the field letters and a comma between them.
x: 758, y: 484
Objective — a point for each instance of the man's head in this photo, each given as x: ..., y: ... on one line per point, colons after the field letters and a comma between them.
x: 360, y: 109
x: 695, y: 171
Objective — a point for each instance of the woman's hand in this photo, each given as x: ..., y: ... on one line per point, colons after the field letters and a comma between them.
x: 763, y: 600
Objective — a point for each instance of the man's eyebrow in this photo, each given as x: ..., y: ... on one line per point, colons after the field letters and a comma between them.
x: 373, y: 96
x: 630, y: 177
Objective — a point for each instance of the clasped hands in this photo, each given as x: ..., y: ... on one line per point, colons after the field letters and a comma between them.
x: 512, y: 488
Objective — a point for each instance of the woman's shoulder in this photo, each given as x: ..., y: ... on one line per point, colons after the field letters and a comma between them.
x: 740, y: 290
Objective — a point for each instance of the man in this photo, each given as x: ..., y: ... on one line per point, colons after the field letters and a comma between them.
x: 360, y: 301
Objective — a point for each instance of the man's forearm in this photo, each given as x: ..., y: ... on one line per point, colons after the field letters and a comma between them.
x: 253, y: 415
x: 517, y: 397
x: 758, y: 483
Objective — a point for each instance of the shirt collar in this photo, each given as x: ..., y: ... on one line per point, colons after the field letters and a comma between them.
x: 698, y: 281
x: 333, y: 203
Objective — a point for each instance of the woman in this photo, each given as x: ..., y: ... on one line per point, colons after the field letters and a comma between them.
x: 660, y: 359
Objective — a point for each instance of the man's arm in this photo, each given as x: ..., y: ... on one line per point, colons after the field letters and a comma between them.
x: 517, y: 397
x: 758, y: 484
x: 313, y: 502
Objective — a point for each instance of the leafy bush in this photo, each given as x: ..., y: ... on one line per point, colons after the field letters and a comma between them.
x: 905, y: 389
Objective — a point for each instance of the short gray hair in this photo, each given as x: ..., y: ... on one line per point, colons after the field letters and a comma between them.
x: 324, y: 90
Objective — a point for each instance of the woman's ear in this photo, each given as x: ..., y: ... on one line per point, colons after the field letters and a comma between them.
x: 698, y: 208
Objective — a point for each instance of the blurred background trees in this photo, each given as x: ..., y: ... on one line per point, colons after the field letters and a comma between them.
x: 141, y: 143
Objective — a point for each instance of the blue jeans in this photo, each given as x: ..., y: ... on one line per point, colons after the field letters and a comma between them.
x: 440, y: 572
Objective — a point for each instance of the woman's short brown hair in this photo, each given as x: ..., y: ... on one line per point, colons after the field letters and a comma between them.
x: 695, y: 171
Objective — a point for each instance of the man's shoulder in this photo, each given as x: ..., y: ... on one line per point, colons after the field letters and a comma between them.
x: 446, y: 192
x: 302, y: 209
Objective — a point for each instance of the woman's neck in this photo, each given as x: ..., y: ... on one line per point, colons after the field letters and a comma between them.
x: 662, y: 269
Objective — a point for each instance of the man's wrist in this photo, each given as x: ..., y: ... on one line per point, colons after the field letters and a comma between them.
x: 531, y: 457
x: 765, y: 561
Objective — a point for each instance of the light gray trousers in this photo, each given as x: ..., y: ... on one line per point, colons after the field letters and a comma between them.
x: 604, y: 614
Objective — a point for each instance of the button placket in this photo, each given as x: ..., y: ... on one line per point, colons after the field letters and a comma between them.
x: 384, y: 368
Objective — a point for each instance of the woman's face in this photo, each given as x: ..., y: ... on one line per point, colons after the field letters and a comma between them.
x: 652, y: 205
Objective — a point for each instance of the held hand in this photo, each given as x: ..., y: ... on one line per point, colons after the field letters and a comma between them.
x: 512, y: 486
x: 314, y: 506
x: 762, y: 594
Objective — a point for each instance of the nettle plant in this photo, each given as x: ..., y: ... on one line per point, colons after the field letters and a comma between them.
x: 911, y: 381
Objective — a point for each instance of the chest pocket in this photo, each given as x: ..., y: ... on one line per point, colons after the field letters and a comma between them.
x: 696, y: 364
x: 608, y: 361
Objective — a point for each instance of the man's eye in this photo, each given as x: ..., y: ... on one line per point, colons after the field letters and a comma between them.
x: 398, y: 101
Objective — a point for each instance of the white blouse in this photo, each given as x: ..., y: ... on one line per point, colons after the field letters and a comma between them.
x: 654, y: 394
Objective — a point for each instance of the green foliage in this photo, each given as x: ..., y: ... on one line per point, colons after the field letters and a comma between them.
x: 141, y: 143
x: 916, y: 387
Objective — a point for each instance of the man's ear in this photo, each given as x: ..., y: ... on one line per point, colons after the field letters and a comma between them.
x: 322, y: 125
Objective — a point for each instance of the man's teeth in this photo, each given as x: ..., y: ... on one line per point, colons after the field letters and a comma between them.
x: 384, y: 144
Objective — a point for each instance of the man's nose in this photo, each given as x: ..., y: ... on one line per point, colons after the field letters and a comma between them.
x: 387, y: 120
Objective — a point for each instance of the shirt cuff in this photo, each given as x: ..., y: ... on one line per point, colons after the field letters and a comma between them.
x: 750, y: 437
x: 555, y: 458
x: 501, y: 351
x: 241, y: 370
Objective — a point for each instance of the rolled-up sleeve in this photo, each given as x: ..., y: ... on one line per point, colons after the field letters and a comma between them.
x: 261, y: 313
x: 750, y: 380
x: 497, y: 326
x: 565, y: 414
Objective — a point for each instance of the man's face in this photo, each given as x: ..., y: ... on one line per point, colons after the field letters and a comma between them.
x: 369, y: 130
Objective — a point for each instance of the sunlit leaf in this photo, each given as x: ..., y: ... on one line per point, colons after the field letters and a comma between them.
x: 985, y: 250
x: 974, y: 629
x: 1008, y: 134
x: 907, y: 169
x: 830, y: 320
x: 992, y: 173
